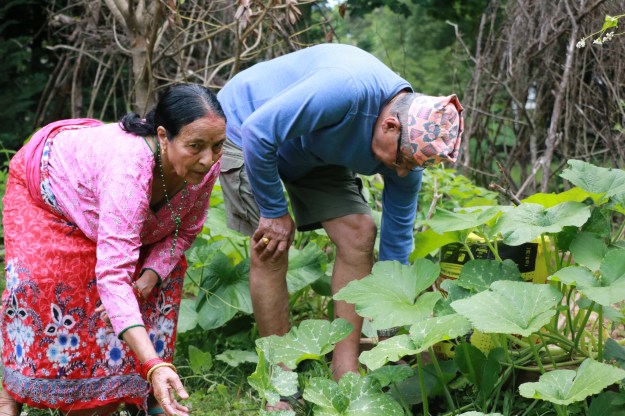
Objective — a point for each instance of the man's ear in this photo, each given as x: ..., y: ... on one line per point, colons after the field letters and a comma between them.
x: 390, y: 123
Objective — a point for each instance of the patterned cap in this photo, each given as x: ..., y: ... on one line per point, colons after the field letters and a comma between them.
x: 434, y: 129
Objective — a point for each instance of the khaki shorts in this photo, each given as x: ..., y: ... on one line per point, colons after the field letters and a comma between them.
x: 324, y: 193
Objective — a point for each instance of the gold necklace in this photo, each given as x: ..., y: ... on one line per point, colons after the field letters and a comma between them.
x: 175, y: 214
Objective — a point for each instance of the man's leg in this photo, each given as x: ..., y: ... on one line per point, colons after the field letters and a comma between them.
x: 270, y: 297
x: 354, y: 237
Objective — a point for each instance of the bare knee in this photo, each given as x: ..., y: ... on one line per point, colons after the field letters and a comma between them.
x: 353, y: 235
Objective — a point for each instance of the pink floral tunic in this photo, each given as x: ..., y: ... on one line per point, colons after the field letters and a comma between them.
x: 104, y: 188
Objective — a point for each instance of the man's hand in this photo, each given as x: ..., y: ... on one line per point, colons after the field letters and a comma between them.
x: 273, y: 237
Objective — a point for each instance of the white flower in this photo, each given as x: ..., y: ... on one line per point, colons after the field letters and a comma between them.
x: 62, y: 338
x: 101, y: 338
x: 12, y: 277
x: 74, y: 341
x: 160, y: 344
x: 63, y: 359
x: 581, y: 44
x: 53, y: 352
x: 28, y: 337
x: 165, y: 326
x: 608, y: 36
x: 597, y: 41
x: 19, y: 352
x: 115, y: 353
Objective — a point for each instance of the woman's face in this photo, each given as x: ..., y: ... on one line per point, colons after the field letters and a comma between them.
x: 192, y: 153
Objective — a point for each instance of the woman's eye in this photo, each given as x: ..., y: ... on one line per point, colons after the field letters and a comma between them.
x: 194, y: 145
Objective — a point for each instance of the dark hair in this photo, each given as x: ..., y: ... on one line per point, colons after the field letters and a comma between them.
x: 178, y: 106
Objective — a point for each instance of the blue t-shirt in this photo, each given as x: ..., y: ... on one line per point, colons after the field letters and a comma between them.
x: 318, y: 106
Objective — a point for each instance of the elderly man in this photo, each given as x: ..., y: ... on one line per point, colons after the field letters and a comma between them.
x: 311, y: 120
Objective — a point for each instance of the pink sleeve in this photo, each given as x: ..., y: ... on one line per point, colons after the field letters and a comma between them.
x: 123, y: 206
x: 159, y: 257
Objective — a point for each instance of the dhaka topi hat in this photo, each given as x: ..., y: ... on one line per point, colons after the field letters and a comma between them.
x: 434, y: 129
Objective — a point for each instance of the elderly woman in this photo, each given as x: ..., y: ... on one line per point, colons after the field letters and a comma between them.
x: 97, y: 218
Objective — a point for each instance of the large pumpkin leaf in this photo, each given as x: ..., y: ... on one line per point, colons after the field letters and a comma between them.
x: 352, y: 396
x: 549, y: 200
x: 588, y: 249
x: 422, y: 335
x: 429, y: 240
x: 444, y: 221
x: 271, y: 381
x: 510, y: 307
x: 305, y: 267
x: 224, y: 291
x: 391, y: 374
x: 607, y: 290
x: 311, y: 340
x: 477, y: 275
x: 595, y: 179
x: 527, y: 221
x: 391, y: 294
x: 187, y: 316
x: 568, y: 386
x: 236, y: 357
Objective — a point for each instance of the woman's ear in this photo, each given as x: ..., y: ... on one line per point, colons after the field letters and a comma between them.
x: 162, y: 137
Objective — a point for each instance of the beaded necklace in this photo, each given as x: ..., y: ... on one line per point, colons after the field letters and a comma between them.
x: 175, y: 216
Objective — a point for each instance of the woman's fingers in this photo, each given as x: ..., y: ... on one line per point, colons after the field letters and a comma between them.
x: 167, y: 384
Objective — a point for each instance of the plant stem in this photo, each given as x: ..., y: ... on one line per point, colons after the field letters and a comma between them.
x: 561, y: 410
x: 544, y: 344
x: 424, y: 393
x: 439, y: 374
x: 581, y: 328
x: 600, y: 335
x: 529, y: 408
x: 546, y: 254
x: 618, y: 234
x: 539, y: 363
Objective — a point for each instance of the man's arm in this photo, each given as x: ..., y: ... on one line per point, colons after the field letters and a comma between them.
x: 321, y: 100
x: 399, y: 209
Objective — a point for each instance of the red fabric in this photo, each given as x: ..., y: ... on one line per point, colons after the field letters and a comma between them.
x: 55, y: 353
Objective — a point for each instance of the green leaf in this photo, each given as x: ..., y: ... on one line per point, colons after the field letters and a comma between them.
x: 422, y: 335
x: 311, y: 340
x: 305, y: 267
x: 607, y: 403
x: 216, y: 224
x: 390, y: 294
x: 607, y: 290
x: 478, y: 275
x: 575, y: 194
x: 236, y: 357
x: 609, y: 22
x: 391, y: 374
x: 187, y: 316
x: 595, y: 179
x: 588, y: 249
x: 352, y: 396
x: 568, y: 386
x: 480, y: 414
x: 199, y: 361
x: 225, y: 290
x: 444, y: 221
x: 429, y: 240
x: 526, y: 222
x: 510, y: 307
x: 271, y: 381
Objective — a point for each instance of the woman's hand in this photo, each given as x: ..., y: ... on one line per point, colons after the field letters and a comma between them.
x: 146, y: 282
x: 165, y: 382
